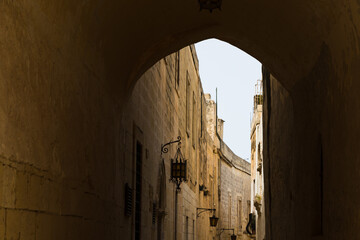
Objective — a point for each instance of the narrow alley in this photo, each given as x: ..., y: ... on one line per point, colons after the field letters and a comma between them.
x: 106, y: 131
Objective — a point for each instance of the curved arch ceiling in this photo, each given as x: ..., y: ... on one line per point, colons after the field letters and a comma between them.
x: 286, y: 36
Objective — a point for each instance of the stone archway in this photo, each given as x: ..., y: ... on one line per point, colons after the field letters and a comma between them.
x: 68, y: 69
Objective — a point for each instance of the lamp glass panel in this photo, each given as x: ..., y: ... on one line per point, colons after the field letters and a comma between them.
x: 213, y: 221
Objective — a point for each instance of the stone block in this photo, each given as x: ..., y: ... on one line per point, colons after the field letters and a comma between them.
x: 70, y: 202
x: 36, y: 193
x: 21, y: 190
x: 8, y: 182
x: 52, y: 192
x: 20, y: 224
x: 48, y: 227
x: 2, y: 223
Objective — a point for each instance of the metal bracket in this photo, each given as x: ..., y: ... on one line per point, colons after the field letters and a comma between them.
x: 164, y: 149
x: 226, y: 229
x: 202, y: 210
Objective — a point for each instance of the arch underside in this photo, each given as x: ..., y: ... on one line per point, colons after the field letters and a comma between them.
x: 68, y: 69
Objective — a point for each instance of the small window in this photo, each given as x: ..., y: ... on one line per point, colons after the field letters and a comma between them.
x: 188, y: 104
x: 187, y: 228
x: 230, y: 210
x: 239, y: 216
x: 138, y: 190
x: 177, y: 70
x: 194, y: 120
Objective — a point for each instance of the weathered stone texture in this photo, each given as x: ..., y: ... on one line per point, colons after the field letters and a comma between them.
x: 234, y: 178
x: 165, y: 105
x: 235, y: 192
x: 257, y: 163
x: 68, y: 69
x: 20, y: 224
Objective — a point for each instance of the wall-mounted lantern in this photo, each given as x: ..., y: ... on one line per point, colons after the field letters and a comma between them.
x: 213, y: 220
x: 178, y: 169
x: 178, y: 164
x: 210, y: 4
x: 232, y: 237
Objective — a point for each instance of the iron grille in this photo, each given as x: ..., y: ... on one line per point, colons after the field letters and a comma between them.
x: 128, y: 200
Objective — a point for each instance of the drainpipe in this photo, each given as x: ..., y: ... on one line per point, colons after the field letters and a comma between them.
x: 220, y: 140
x: 217, y: 134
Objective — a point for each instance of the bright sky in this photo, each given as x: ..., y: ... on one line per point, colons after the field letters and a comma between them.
x: 234, y: 73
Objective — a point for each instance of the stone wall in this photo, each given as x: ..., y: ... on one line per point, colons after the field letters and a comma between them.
x: 158, y: 111
x: 168, y: 101
x: 67, y: 71
x: 296, y: 185
x: 235, y: 193
x: 257, y: 164
x: 59, y: 128
x: 211, y: 116
x: 234, y: 179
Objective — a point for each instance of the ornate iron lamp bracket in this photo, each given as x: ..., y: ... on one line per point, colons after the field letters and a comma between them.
x: 226, y: 229
x: 233, y: 236
x: 202, y: 210
x: 164, y: 148
x: 178, y: 164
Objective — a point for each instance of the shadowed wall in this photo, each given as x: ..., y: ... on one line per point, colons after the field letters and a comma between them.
x: 67, y: 70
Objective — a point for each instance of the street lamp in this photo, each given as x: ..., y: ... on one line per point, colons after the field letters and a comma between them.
x: 178, y: 164
x: 233, y: 236
x: 210, y: 4
x: 213, y: 220
x: 178, y: 172
x: 178, y: 169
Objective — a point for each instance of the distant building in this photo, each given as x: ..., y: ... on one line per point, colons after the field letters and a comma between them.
x: 234, y: 181
x: 257, y: 169
x: 168, y: 101
x: 235, y: 189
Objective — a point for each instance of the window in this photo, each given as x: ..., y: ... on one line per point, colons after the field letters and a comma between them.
x: 138, y: 184
x: 239, y: 210
x: 230, y: 210
x: 254, y: 188
x: 194, y: 120
x: 188, y: 104
x: 187, y: 229
x: 177, y: 70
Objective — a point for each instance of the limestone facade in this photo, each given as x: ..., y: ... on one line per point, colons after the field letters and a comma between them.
x: 235, y: 193
x: 257, y: 169
x: 67, y: 70
x: 165, y: 104
x: 168, y: 101
x: 234, y: 181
